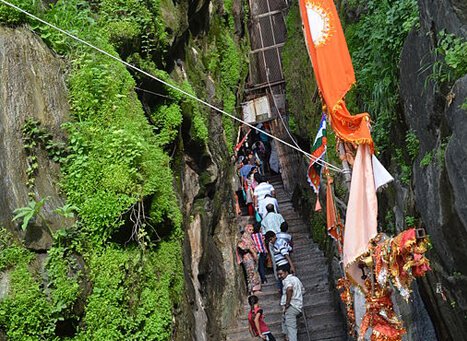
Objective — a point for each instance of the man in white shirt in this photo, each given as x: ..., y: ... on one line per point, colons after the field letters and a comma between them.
x: 268, y: 199
x: 291, y: 301
x: 261, y: 190
x: 271, y: 221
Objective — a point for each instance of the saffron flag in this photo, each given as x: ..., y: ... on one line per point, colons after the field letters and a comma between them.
x: 328, y: 49
x: 333, y: 68
x: 351, y: 128
x: 318, y: 150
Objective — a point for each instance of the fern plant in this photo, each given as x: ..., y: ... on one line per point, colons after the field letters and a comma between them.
x: 27, y: 213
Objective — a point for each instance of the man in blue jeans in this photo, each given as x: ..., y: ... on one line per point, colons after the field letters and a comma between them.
x: 291, y: 302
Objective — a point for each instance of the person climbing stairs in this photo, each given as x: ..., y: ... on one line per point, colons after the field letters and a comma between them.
x: 321, y: 308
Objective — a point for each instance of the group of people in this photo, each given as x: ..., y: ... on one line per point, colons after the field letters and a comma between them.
x: 267, y: 242
x: 254, y: 155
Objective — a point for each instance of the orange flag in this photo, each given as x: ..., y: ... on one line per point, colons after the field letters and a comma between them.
x: 333, y: 68
x: 351, y: 128
x: 335, y: 75
x: 328, y: 50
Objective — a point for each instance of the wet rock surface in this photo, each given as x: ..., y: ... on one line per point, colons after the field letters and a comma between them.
x: 439, y: 188
x: 32, y: 86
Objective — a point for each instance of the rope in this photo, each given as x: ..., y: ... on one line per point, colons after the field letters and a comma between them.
x: 166, y: 83
x: 153, y: 93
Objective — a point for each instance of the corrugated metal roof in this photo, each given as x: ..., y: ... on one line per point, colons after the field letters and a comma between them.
x: 267, y: 37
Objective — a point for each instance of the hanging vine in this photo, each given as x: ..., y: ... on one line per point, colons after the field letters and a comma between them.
x: 36, y: 136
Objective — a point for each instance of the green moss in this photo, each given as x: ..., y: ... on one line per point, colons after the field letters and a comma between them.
x: 116, y: 158
x: 167, y: 120
x: 12, y: 17
x: 133, y: 293
x: 10, y: 255
x: 300, y: 82
x: 25, y: 314
x: 318, y: 229
x: 405, y: 168
x: 412, y: 144
x: 63, y: 276
x: 427, y: 159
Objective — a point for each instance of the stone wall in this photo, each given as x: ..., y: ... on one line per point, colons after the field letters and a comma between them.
x: 33, y: 86
x: 439, y: 188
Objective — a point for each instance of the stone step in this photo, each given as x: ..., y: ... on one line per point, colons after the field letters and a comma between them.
x: 311, y: 257
x: 308, y: 280
x: 274, y: 298
x: 325, y: 323
x: 314, y: 304
x: 305, y: 245
x: 331, y: 328
x: 275, y: 317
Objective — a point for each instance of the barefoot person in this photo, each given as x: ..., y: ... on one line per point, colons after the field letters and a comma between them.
x: 249, y: 256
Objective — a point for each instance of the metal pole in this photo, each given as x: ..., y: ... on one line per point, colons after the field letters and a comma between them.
x: 306, y: 325
x: 345, y: 165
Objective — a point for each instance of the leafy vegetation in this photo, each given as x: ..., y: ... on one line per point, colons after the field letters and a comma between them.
x: 25, y: 313
x: 305, y: 112
x: 133, y: 293
x: 436, y: 155
x: 116, y: 157
x: 113, y: 159
x: 412, y: 144
x: 427, y: 159
x: 410, y: 221
x: 35, y: 136
x: 11, y: 252
x: 451, y: 59
x: 405, y: 169
x: 29, y: 212
x: 375, y: 43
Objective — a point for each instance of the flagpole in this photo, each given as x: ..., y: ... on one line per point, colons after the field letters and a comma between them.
x: 345, y: 165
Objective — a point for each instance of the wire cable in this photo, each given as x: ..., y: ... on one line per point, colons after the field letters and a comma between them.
x: 334, y: 168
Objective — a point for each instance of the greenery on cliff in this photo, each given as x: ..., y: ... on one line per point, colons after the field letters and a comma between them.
x: 116, y: 165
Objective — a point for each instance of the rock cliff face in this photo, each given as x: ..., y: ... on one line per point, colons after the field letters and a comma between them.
x: 439, y: 188
x: 434, y: 194
x: 213, y: 285
x: 33, y: 87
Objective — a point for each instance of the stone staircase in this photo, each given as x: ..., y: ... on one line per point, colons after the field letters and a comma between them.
x: 324, y: 321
